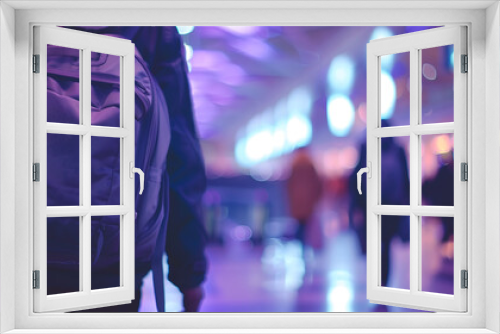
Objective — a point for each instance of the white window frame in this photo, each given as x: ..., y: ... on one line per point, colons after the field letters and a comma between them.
x: 85, y: 43
x: 483, y: 21
x: 413, y: 44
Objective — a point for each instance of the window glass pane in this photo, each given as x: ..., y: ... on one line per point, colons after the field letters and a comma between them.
x: 105, y: 252
x: 63, y: 170
x: 105, y: 90
x: 395, y: 252
x: 437, y: 170
x: 437, y: 84
x: 63, y: 85
x: 395, y: 184
x: 63, y: 255
x: 437, y: 254
x: 105, y: 171
x: 395, y: 89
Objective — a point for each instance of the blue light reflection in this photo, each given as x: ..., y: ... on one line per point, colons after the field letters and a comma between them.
x: 340, y: 114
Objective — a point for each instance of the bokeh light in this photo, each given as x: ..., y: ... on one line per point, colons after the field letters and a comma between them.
x: 388, y: 95
x: 340, y: 114
x: 184, y: 30
x: 341, y: 75
x: 277, y: 131
x: 429, y: 71
x: 189, y: 51
x: 442, y: 144
x: 241, y: 30
x: 298, y: 131
x: 300, y: 100
x: 258, y: 148
x: 383, y: 32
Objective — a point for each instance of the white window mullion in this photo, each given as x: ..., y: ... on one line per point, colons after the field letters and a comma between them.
x: 108, y: 210
x: 127, y: 195
x: 80, y: 211
x: 122, y: 171
x: 392, y: 210
x: 392, y: 131
x: 85, y: 266
x: 80, y: 130
x: 86, y: 120
x: 414, y: 170
x: 86, y: 165
x: 60, y: 128
x: 419, y: 210
x: 433, y: 129
x: 420, y: 129
x: 433, y: 211
x: 107, y: 131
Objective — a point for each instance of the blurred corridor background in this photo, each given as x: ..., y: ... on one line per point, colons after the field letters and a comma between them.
x: 259, y: 94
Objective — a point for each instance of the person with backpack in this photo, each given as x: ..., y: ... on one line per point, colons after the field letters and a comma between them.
x: 168, y: 213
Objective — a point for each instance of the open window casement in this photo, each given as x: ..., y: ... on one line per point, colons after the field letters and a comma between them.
x: 69, y: 133
x: 418, y: 129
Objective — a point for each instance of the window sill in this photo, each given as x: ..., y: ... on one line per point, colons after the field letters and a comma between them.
x: 248, y: 331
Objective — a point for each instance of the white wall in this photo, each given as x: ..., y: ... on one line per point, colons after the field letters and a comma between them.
x: 493, y: 163
x: 7, y: 159
x: 282, y: 16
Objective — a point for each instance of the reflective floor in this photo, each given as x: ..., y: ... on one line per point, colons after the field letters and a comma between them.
x: 281, y: 276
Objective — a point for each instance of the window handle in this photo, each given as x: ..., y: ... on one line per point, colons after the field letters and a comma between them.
x: 368, y: 171
x: 141, y: 176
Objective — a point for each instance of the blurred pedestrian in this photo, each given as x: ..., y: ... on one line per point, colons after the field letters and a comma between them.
x: 395, y: 190
x: 438, y: 190
x: 304, y: 189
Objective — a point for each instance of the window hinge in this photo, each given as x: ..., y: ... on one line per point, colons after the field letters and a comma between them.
x: 36, y: 63
x: 465, y: 279
x: 36, y: 279
x: 465, y: 64
x: 36, y: 172
x: 464, y: 171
